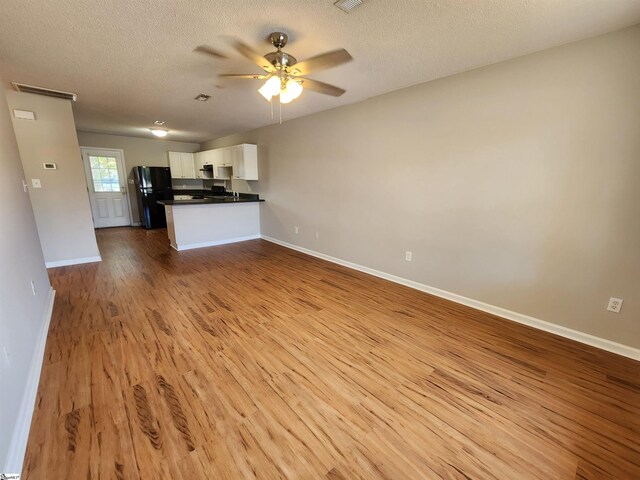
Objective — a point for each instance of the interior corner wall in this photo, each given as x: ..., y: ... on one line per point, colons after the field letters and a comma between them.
x: 61, y: 206
x: 514, y: 184
x: 151, y: 152
x: 22, y: 313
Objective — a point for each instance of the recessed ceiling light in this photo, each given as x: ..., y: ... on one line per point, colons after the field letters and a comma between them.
x: 158, y: 122
x: 159, y: 132
x: 348, y: 5
x: 203, y: 97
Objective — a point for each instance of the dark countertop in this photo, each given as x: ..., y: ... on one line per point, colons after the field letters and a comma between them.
x: 212, y: 200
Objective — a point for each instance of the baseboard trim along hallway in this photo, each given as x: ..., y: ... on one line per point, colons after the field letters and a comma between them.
x: 20, y: 434
x: 587, y: 339
x: 72, y: 261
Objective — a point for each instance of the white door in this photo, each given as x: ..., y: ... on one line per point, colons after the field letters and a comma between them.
x: 106, y: 182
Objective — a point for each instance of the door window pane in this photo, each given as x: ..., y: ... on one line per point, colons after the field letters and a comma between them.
x: 104, y: 173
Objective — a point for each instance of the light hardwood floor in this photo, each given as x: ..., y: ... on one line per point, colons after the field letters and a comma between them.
x: 254, y: 361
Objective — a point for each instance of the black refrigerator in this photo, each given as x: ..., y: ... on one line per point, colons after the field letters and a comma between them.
x: 152, y: 184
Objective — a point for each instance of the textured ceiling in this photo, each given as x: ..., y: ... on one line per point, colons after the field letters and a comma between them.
x: 132, y: 61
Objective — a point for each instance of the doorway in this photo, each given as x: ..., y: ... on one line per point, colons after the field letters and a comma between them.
x: 107, y: 186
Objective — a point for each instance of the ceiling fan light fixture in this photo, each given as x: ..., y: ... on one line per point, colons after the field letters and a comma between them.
x: 271, y: 88
x: 159, y: 132
x: 291, y: 91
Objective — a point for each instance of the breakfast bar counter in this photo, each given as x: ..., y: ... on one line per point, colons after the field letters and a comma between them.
x: 207, y: 222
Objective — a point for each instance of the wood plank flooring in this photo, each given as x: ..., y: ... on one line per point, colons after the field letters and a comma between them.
x: 254, y: 361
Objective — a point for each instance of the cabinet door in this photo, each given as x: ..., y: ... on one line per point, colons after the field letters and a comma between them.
x: 198, y: 161
x: 215, y: 156
x: 208, y: 157
x: 226, y: 157
x: 175, y: 164
x: 250, y: 161
x: 188, y: 166
x: 237, y: 161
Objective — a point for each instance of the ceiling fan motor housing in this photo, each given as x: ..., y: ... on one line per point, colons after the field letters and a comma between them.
x: 278, y: 39
x: 280, y: 58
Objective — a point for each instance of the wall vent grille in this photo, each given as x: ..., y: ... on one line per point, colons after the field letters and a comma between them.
x: 348, y: 5
x: 48, y: 92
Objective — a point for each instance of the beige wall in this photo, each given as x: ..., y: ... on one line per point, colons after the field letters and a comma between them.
x: 150, y: 152
x: 61, y: 206
x: 514, y: 184
x: 22, y: 314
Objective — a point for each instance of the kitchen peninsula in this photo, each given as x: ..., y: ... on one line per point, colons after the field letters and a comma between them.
x: 212, y: 220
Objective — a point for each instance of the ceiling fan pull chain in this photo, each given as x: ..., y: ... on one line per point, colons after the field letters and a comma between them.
x: 280, y: 105
x: 271, y: 104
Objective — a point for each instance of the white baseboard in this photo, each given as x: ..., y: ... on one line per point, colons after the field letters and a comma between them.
x: 576, y: 335
x: 20, y: 436
x: 191, y: 246
x: 73, y: 261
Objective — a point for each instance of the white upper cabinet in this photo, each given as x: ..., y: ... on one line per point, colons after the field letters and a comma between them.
x: 220, y: 172
x: 197, y: 161
x: 188, y: 165
x: 226, y: 157
x: 245, y: 162
x: 175, y: 164
x: 182, y: 165
x: 238, y: 162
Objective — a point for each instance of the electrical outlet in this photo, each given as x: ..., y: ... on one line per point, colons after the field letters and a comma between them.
x: 296, y: 229
x: 35, y: 183
x: 317, y: 235
x: 408, y: 256
x: 615, y: 304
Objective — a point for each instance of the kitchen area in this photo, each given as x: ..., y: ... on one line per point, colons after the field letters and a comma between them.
x: 194, y: 200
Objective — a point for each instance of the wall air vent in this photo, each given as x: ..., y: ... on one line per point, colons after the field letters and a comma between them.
x: 348, y: 5
x: 48, y: 92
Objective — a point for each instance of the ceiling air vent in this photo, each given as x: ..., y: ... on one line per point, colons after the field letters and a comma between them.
x: 48, y: 92
x: 347, y: 5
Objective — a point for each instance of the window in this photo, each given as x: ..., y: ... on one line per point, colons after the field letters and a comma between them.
x: 104, y: 172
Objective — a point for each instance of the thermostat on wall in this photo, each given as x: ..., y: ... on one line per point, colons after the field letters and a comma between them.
x: 50, y: 166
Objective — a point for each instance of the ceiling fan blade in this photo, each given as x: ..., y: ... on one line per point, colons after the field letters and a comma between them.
x: 207, y: 50
x: 321, y: 62
x: 254, y: 56
x: 321, y: 87
x: 256, y: 76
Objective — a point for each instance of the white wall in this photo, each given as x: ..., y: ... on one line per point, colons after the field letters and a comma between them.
x: 514, y: 184
x: 151, y: 152
x: 61, y: 206
x: 23, y: 316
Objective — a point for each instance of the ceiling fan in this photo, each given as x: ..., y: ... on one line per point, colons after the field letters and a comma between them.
x: 285, y: 76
